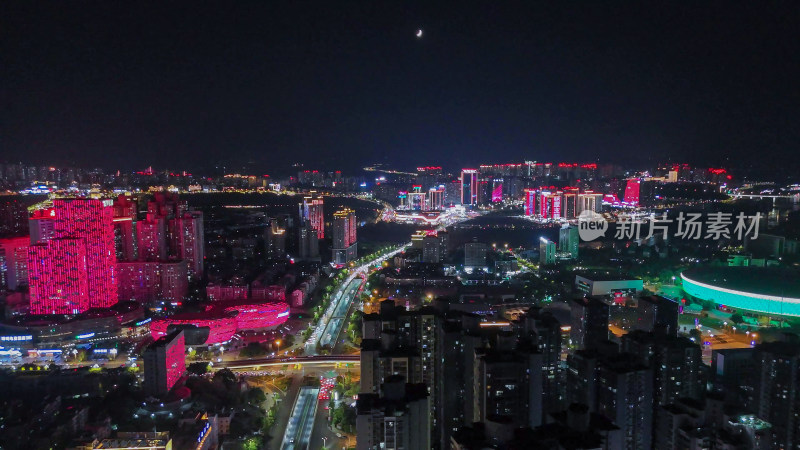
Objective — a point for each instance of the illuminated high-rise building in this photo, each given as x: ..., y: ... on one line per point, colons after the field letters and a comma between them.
x: 148, y: 281
x: 416, y: 199
x: 139, y: 281
x: 588, y: 201
x: 42, y: 225
x: 174, y: 280
x: 530, y: 202
x: 568, y: 240
x: 311, y: 213
x: 436, y: 198
x: 550, y: 205
x: 14, y: 262
x: 469, y: 187
x: 187, y: 241
x: 76, y: 270
x: 151, y: 234
x: 569, y: 205
x: 632, y: 192
x: 58, y: 277
x: 125, y: 239
x: 344, y: 236
x: 497, y: 190
x: 164, y: 363
x: 166, y: 205
x: 547, y: 251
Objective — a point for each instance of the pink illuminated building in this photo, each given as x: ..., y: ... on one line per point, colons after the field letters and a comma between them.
x: 298, y: 298
x: 14, y: 262
x: 530, y: 202
x: 42, y: 225
x: 497, y: 193
x: 217, y: 292
x: 58, y: 277
x: 164, y: 363
x: 76, y: 269
x: 147, y: 281
x: 632, y: 192
x: 151, y: 234
x: 550, y: 205
x: 224, y: 319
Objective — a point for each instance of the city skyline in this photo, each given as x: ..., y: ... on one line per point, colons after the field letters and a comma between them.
x: 399, y: 225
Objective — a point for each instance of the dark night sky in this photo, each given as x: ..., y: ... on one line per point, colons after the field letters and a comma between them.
x: 339, y: 83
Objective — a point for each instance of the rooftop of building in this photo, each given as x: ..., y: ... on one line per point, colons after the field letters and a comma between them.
x: 773, y: 281
x: 781, y: 348
x: 165, y: 340
x: 602, y: 276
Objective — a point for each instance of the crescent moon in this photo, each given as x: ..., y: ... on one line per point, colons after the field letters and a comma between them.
x: 419, y: 33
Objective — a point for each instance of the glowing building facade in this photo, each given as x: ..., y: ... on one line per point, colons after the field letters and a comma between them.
x: 14, y: 262
x: 151, y: 236
x: 632, y: 192
x: 530, y: 202
x: 75, y: 270
x: 58, y: 278
x: 42, y: 225
x: 550, y: 205
x: 164, y: 363
x: 220, y: 323
x: 147, y: 281
x: 436, y: 198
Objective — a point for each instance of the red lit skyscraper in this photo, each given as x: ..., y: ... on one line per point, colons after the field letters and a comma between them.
x: 164, y: 363
x: 75, y: 270
x: 58, y: 277
x: 550, y: 205
x: 530, y: 202
x: 632, y: 192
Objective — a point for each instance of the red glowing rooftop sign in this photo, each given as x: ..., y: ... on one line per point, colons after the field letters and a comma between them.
x: 717, y: 171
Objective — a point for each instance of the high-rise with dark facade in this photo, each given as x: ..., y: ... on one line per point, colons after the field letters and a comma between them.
x: 345, y: 247
x: 469, y: 187
x: 589, y: 322
x: 311, y: 215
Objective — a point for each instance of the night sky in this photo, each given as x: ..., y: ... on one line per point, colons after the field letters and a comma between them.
x: 339, y: 84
